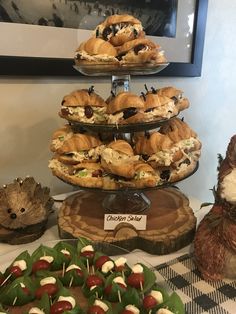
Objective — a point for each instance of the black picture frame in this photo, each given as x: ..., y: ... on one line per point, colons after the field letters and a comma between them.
x: 35, y: 66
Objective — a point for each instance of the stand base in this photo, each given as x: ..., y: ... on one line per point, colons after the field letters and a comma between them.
x: 126, y: 203
x: 170, y: 222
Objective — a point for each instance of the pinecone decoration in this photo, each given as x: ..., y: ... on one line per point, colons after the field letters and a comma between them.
x: 24, y: 210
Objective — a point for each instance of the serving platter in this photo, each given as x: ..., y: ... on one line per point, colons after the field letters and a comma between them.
x: 105, y: 69
x: 117, y: 128
x: 16, y: 302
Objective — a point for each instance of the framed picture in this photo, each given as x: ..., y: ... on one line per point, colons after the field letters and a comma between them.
x: 40, y: 40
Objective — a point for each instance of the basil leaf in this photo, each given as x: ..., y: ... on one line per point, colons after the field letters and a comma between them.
x: 131, y: 296
x: 18, y: 292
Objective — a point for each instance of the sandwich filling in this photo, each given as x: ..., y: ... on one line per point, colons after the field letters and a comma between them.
x: 87, y: 114
x: 83, y: 155
x: 122, y: 115
x: 58, y: 142
x: 83, y: 55
x: 112, y: 156
x: 165, y: 157
x: 56, y: 164
x: 87, y: 173
x: 117, y: 29
x: 165, y: 111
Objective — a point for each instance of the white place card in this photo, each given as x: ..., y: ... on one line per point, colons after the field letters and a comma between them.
x: 112, y: 220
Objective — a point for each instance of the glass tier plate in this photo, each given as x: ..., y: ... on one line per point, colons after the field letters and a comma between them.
x: 131, y: 189
x: 117, y: 128
x: 104, y: 69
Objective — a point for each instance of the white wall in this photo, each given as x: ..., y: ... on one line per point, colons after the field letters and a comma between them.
x: 28, y: 111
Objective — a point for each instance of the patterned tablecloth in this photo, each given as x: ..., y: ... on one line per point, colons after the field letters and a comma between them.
x: 199, y: 296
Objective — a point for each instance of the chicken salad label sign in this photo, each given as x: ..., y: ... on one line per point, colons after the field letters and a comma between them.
x: 111, y: 221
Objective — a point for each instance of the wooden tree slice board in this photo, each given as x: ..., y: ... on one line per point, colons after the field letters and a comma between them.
x: 171, y: 223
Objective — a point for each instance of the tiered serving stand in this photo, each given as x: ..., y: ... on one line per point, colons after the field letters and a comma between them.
x: 170, y: 221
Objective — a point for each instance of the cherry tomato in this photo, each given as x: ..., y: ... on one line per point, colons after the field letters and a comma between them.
x: 49, y: 289
x: 16, y: 271
x: 127, y: 312
x: 95, y: 309
x: 88, y: 254
x: 93, y: 280
x: 107, y: 290
x: 101, y: 260
x: 136, y: 280
x: 78, y: 272
x: 149, y: 302
x: 67, y: 255
x: 40, y: 265
x: 1, y: 279
x: 60, y: 307
x: 120, y: 268
x: 26, y: 290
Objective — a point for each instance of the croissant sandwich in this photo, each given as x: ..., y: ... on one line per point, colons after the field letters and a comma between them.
x: 156, y: 149
x: 176, y: 95
x: 187, y: 141
x: 173, y: 155
x: 124, y: 108
x: 85, y: 174
x: 96, y: 51
x: 141, y: 50
x: 145, y: 176
x: 118, y: 159
x: 83, y: 106
x: 118, y: 29
x: 79, y: 148
x: 157, y: 107
x: 59, y: 136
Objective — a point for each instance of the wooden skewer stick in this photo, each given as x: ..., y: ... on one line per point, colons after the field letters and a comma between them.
x: 71, y: 281
x: 87, y: 262
x: 14, y: 301
x: 6, y: 279
x: 123, y: 274
x: 63, y: 269
x: 141, y: 288
x: 119, y: 296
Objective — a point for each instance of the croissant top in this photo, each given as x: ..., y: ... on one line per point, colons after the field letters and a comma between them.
x: 122, y: 101
x: 97, y: 46
x: 177, y: 130
x: 122, y: 146
x: 78, y: 142
x: 117, y: 18
x: 135, y: 44
x: 82, y: 98
x: 154, y: 142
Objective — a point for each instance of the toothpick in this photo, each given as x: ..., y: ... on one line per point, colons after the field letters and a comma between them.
x: 71, y: 281
x: 6, y: 279
x: 96, y: 293
x: 93, y: 270
x: 14, y: 301
x: 63, y: 269
x: 119, y: 296
x: 87, y: 262
x: 141, y: 288
x: 123, y: 274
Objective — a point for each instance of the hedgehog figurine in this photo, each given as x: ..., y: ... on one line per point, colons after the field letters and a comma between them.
x: 24, y: 210
x: 215, y: 238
